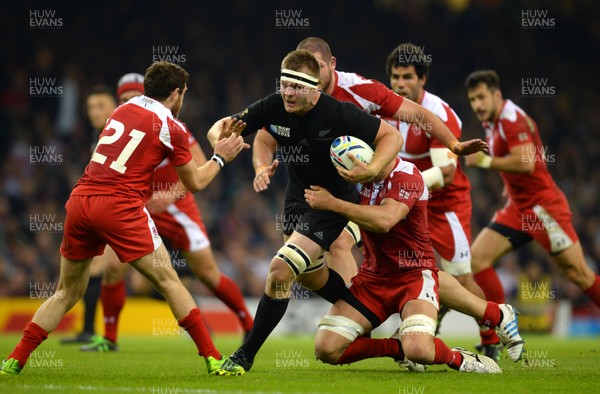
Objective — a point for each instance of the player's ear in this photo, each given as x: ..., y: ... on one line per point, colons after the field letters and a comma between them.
x: 333, y: 62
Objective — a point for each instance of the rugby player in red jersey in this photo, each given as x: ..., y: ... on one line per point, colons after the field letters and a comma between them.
x: 178, y: 220
x: 449, y: 206
x: 536, y: 208
x: 398, y: 275
x: 107, y: 206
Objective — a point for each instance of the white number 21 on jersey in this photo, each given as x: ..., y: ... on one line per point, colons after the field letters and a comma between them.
x: 119, y: 164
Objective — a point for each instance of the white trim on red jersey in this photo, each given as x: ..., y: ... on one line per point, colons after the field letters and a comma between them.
x: 438, y: 106
x: 163, y: 113
x: 347, y: 80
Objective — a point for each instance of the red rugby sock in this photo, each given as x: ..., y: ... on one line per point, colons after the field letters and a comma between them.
x: 363, y: 348
x: 490, y: 284
x: 492, y: 316
x: 229, y: 292
x: 33, y: 335
x: 594, y: 291
x: 194, y: 324
x: 113, y: 298
x: 443, y: 354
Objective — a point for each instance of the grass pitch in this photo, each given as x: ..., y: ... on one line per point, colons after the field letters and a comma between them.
x: 169, y: 365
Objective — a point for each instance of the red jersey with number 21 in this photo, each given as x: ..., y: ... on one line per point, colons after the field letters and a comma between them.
x: 136, y: 139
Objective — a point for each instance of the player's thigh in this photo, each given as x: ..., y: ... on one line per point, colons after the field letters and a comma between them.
x: 97, y: 266
x: 344, y: 242
x: 114, y: 270
x: 73, y: 277
x: 488, y: 247
x: 157, y: 268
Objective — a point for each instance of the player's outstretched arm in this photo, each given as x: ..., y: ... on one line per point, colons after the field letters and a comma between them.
x: 377, y: 218
x: 412, y: 112
x: 197, y: 178
x: 519, y: 160
x: 263, y: 150
x: 161, y: 199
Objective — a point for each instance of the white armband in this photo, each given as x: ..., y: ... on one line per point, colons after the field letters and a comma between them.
x: 483, y: 160
x: 433, y: 177
x: 441, y: 157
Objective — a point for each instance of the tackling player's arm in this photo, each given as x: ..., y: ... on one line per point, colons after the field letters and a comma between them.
x: 160, y: 200
x: 412, y: 112
x: 520, y: 160
x: 263, y: 150
x: 376, y: 218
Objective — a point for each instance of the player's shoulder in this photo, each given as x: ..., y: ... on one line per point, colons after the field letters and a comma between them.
x: 511, y: 112
x: 330, y: 102
x: 266, y: 105
x: 438, y: 106
x: 348, y: 80
x: 273, y: 101
x: 405, y: 171
x: 407, y: 180
x: 190, y: 135
x: 150, y: 105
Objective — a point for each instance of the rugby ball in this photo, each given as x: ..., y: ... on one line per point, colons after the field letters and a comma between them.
x: 341, y: 146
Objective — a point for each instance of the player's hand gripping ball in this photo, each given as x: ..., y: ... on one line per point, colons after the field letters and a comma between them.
x: 341, y: 146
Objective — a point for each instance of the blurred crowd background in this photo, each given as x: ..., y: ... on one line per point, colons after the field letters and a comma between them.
x: 232, y: 50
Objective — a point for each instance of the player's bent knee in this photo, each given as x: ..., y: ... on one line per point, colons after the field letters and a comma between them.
x: 419, y: 325
x: 417, y: 332
x: 456, y: 268
x: 329, y: 347
x: 343, y: 243
x: 419, y: 349
x: 297, y: 259
x: 342, y: 326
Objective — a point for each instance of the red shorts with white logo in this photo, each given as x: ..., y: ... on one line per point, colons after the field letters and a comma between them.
x: 182, y: 225
x: 450, y: 231
x: 94, y: 221
x: 549, y: 223
x: 385, y: 296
